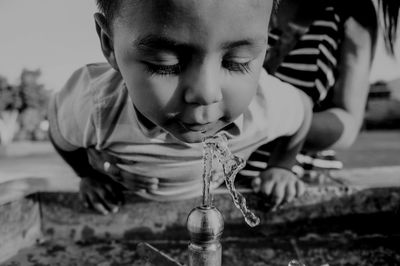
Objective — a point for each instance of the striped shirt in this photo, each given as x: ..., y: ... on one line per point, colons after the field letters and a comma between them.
x: 311, y: 64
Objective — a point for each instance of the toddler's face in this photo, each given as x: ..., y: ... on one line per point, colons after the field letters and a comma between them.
x: 190, y: 66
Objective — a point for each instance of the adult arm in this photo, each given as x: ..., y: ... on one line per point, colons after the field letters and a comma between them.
x: 338, y: 126
x: 285, y: 150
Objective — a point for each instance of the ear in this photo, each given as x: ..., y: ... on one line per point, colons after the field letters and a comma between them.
x: 104, y: 33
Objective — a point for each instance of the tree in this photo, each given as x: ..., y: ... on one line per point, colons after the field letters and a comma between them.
x: 33, y: 106
x: 23, y: 108
x: 8, y: 112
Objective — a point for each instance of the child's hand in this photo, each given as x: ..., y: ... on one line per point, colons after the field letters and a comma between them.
x: 107, y: 164
x: 280, y: 185
x: 101, y: 194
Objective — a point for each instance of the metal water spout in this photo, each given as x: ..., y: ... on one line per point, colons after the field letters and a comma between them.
x: 205, y: 225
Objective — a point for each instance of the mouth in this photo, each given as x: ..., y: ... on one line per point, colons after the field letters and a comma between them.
x: 194, y: 127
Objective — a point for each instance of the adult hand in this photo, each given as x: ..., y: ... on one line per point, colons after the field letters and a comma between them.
x: 107, y: 164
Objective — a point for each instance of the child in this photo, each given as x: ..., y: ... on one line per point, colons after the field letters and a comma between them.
x: 179, y: 70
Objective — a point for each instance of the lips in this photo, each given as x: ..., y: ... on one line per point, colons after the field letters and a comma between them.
x: 197, y: 127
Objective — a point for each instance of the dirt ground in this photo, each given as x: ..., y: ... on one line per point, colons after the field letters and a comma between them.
x: 312, y: 249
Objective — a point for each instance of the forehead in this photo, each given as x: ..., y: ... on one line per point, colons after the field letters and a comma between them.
x: 194, y: 17
x: 185, y: 6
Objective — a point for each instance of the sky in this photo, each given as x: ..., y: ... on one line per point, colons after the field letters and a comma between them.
x: 58, y: 36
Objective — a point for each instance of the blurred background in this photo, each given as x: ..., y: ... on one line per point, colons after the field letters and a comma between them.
x: 43, y: 42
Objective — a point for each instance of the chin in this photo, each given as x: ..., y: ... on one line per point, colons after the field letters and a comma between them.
x: 191, y: 137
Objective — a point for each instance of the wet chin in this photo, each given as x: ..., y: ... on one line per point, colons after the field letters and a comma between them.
x: 193, y: 136
x: 190, y: 137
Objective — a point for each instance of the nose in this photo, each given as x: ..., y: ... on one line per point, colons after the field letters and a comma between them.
x: 202, y: 86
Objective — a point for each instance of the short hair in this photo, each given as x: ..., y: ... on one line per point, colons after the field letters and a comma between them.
x: 390, y: 10
x: 110, y: 7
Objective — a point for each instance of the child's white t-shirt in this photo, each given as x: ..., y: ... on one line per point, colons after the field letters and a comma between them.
x: 94, y: 109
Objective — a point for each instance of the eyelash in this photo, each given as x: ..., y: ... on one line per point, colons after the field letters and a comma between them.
x: 163, y: 70
x: 166, y: 70
x: 231, y: 66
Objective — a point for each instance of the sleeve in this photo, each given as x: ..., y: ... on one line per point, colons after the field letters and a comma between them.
x: 284, y: 106
x: 71, y: 113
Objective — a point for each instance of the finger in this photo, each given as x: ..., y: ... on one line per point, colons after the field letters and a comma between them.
x: 84, y: 191
x: 267, y: 187
x: 115, y: 208
x: 107, y: 201
x: 290, y: 192
x: 256, y: 184
x: 114, y: 194
x: 278, y: 194
x: 100, y: 208
x: 110, y: 194
x: 85, y: 200
x: 96, y: 203
x: 88, y: 201
x: 300, y: 188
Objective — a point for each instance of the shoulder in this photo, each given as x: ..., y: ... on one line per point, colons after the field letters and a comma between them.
x: 362, y: 11
x: 280, y: 103
x: 274, y: 89
x: 98, y: 79
x: 360, y: 24
x: 278, y: 99
x: 90, y: 85
x: 76, y: 109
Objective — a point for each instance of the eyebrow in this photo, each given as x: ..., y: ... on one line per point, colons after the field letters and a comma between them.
x: 165, y: 43
x: 244, y: 42
x: 159, y: 42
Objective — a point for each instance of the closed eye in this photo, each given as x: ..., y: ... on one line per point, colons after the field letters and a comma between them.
x: 234, y: 66
x: 163, y: 70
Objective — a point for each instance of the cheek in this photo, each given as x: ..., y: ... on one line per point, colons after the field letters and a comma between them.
x: 238, y: 96
x: 151, y: 96
x: 240, y: 91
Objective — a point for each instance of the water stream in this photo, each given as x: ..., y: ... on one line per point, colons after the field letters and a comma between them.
x: 216, y: 148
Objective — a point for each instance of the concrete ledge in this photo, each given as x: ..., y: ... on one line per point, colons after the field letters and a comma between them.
x: 19, y: 226
x: 55, y: 177
x: 26, y: 148
x: 64, y: 217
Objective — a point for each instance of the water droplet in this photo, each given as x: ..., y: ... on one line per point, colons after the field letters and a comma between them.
x: 295, y: 263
